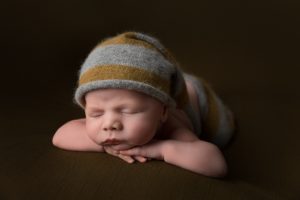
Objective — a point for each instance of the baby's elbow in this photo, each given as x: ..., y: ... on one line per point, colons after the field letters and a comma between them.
x: 211, y: 161
x: 56, y: 139
x: 62, y: 135
x: 220, y: 170
x: 216, y: 164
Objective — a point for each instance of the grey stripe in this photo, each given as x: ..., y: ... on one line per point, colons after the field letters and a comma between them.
x: 225, y: 130
x: 151, y: 40
x: 129, y: 55
x: 198, y: 86
x: 123, y: 84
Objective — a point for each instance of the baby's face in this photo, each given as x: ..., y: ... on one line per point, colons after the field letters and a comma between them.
x: 122, y: 118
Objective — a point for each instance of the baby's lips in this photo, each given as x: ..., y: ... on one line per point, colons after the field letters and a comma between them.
x: 111, y: 142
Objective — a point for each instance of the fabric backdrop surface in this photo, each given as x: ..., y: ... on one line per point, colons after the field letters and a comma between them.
x: 247, y: 50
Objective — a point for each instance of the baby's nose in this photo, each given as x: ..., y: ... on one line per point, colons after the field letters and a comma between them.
x: 113, y: 126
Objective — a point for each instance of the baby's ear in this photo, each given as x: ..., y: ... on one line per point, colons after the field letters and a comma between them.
x: 165, y: 114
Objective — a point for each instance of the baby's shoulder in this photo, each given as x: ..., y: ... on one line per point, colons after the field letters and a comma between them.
x: 178, y: 126
x: 179, y: 119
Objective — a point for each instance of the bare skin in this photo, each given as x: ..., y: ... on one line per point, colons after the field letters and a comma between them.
x: 136, y: 127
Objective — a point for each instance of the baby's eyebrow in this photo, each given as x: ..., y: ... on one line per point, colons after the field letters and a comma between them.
x: 92, y: 108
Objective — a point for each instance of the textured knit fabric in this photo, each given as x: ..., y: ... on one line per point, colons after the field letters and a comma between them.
x: 139, y: 62
x: 133, y: 61
x: 215, y: 122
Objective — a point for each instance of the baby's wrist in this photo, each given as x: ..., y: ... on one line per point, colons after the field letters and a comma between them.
x: 166, y: 149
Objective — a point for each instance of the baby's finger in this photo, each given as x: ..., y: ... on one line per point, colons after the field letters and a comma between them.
x: 137, y: 151
x: 140, y: 159
x: 111, y: 151
x: 128, y: 159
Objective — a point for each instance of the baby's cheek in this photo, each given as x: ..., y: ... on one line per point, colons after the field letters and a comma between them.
x: 91, y: 129
x: 142, y: 132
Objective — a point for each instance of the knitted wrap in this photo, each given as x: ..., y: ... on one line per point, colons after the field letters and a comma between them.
x: 133, y: 61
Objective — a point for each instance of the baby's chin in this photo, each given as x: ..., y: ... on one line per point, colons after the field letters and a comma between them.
x: 122, y: 147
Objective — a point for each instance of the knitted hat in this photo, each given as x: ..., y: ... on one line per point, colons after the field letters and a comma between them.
x: 133, y: 61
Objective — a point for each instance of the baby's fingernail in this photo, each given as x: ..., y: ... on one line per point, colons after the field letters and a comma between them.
x: 143, y: 160
x: 130, y: 160
x: 123, y: 152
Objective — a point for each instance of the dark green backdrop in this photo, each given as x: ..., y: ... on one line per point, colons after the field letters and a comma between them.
x: 247, y: 50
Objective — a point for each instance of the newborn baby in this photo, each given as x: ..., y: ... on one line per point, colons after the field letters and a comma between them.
x: 139, y: 105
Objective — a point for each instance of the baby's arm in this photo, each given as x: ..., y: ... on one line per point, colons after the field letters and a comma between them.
x: 72, y: 136
x: 192, y: 154
x: 198, y: 156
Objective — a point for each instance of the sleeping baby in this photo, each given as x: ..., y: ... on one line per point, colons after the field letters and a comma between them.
x: 139, y: 105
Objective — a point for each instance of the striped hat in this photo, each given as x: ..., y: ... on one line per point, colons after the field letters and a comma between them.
x: 133, y: 61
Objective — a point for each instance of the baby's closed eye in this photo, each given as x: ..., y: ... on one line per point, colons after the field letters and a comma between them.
x: 95, y: 115
x: 131, y: 111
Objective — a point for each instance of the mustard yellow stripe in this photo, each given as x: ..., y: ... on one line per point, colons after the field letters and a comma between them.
x: 211, y: 120
x: 130, y: 38
x: 126, y: 38
x: 183, y: 98
x: 121, y: 72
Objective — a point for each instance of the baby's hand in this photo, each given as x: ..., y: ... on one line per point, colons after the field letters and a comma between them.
x: 114, y: 152
x: 127, y: 158
x: 154, y: 149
